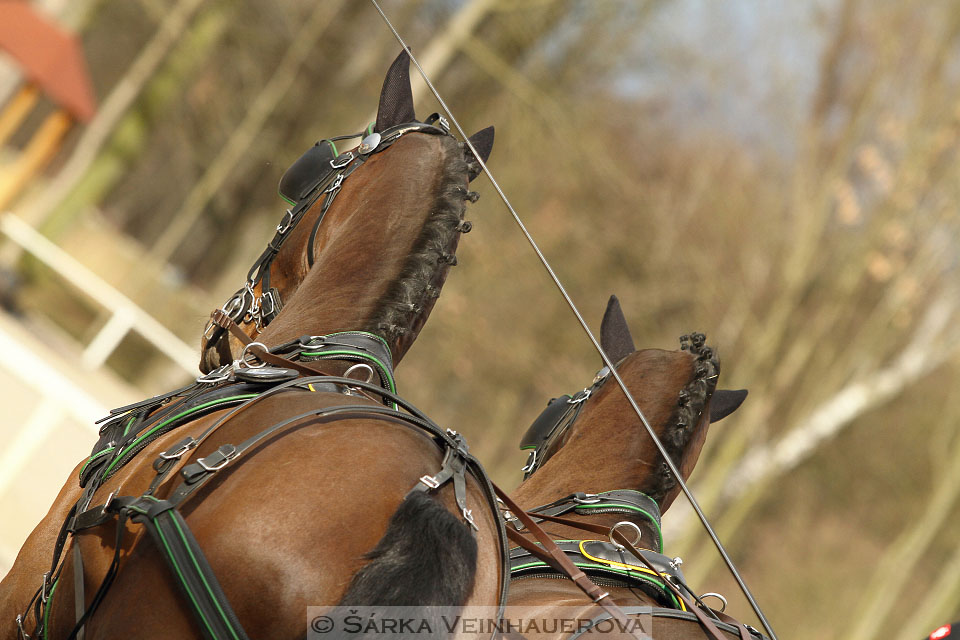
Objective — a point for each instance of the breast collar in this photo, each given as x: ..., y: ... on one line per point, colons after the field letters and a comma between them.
x: 554, y: 421
x: 246, y: 305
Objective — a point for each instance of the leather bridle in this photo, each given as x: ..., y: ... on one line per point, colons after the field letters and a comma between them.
x: 327, y: 172
x: 554, y: 422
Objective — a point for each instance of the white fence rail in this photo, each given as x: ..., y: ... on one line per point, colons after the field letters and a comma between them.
x: 47, y: 391
x: 127, y: 316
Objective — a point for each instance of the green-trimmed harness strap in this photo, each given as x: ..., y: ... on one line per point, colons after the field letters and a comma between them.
x: 194, y: 576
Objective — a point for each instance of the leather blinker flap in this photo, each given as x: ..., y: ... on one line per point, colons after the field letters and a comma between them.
x: 310, y: 169
x: 541, y: 428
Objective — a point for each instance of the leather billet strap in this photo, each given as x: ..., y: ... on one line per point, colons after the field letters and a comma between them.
x: 550, y: 553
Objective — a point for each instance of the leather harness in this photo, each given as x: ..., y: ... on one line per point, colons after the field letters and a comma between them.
x: 319, y: 172
x: 131, y: 428
x: 617, y: 562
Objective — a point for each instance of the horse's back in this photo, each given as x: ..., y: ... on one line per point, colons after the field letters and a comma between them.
x: 285, y: 526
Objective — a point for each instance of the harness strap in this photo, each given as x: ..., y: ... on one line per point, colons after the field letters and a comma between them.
x: 705, y: 622
x: 79, y: 598
x: 617, y: 501
x: 196, y: 579
x: 657, y: 612
x: 555, y: 557
x: 454, y: 468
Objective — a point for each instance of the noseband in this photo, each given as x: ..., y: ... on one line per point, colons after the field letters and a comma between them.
x: 320, y: 172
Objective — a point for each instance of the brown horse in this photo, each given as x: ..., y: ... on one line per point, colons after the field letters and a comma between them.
x: 276, y: 492
x: 593, y: 466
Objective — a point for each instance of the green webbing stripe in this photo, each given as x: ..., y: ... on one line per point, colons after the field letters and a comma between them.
x: 590, y: 565
x: 653, y: 520
x: 363, y: 333
x: 46, y: 610
x: 108, y: 449
x: 192, y: 410
x: 196, y: 565
x: 334, y: 147
x: 176, y: 568
x: 94, y: 457
x: 391, y: 386
x: 286, y: 199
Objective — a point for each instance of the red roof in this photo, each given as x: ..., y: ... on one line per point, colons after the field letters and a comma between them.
x: 49, y: 56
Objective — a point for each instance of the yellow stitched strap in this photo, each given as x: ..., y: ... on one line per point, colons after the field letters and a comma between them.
x: 310, y: 386
x: 614, y: 563
x: 623, y: 565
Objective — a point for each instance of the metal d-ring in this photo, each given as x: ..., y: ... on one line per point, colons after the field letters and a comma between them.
x: 719, y: 597
x: 625, y: 523
x: 246, y: 350
x: 360, y: 365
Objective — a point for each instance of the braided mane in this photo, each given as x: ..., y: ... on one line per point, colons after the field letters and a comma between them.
x: 691, y: 402
x: 401, y: 312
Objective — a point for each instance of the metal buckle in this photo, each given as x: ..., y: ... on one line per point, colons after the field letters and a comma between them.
x: 106, y: 505
x: 580, y: 397
x: 342, y: 160
x: 444, y: 124
x: 179, y: 451
x: 531, y: 462
x: 335, y: 184
x: 217, y: 375
x: 430, y: 482
x: 23, y: 634
x: 285, y: 222
x: 227, y: 457
x: 588, y: 498
x: 267, y: 298
x: 44, y: 593
x: 468, y: 516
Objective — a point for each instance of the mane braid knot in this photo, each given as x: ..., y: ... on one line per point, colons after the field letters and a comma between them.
x: 419, y: 281
x: 691, y: 401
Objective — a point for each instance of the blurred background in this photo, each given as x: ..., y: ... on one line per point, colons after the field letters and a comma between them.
x: 780, y: 176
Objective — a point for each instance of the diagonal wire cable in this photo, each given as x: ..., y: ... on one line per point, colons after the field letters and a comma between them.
x: 606, y: 360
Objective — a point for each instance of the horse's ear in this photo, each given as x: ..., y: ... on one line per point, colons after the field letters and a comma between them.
x: 615, y: 335
x: 396, y: 98
x: 725, y: 402
x: 482, y: 141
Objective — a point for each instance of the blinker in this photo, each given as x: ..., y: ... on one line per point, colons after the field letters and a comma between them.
x: 309, y: 171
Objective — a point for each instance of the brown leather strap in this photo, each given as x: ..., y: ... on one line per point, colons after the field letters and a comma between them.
x: 224, y: 321
x: 702, y: 618
x: 744, y: 634
x: 550, y: 553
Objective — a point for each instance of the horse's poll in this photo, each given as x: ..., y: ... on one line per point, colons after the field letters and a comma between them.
x: 606, y: 359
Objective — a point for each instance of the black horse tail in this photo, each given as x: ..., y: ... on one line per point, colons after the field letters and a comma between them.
x: 426, y: 558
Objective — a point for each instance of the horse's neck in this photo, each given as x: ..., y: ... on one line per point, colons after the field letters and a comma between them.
x: 386, y: 250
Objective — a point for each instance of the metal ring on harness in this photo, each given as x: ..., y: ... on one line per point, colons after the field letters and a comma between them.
x: 360, y: 365
x: 719, y: 597
x: 241, y: 361
x: 625, y: 523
